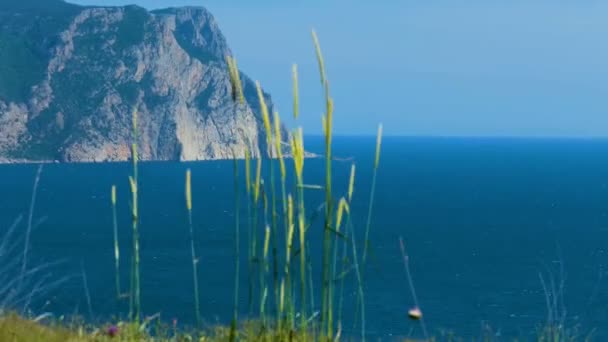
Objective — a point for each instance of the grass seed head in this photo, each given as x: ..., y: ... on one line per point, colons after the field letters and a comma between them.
x: 319, y: 57
x: 188, y: 190
x: 343, y: 206
x: 235, y: 80
x: 378, y: 146
x: 265, y: 115
x: 277, y: 144
x: 351, y: 183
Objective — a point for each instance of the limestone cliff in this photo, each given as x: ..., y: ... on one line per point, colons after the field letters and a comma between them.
x: 70, y: 77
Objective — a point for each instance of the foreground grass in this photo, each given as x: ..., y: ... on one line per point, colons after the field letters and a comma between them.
x: 14, y: 328
x: 278, y: 275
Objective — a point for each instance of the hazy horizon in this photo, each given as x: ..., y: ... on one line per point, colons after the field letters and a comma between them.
x: 482, y: 69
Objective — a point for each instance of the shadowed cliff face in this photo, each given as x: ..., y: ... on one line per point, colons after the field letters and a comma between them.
x: 70, y: 77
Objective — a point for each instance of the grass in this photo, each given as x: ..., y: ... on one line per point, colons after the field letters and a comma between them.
x: 135, y: 297
x: 292, y: 317
x: 28, y: 230
x: 237, y: 254
x: 197, y: 311
x: 15, y: 328
x: 345, y: 267
x: 116, y: 247
x: 326, y: 282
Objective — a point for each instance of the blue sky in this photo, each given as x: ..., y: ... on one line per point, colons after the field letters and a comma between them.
x: 442, y: 68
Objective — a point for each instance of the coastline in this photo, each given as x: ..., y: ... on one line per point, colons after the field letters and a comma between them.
x: 9, y: 161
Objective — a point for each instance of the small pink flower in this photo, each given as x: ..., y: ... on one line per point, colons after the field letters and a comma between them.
x: 112, y: 331
x: 174, y: 323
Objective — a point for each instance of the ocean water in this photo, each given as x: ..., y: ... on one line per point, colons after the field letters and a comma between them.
x: 481, y: 218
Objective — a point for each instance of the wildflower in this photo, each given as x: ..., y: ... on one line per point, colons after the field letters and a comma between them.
x: 112, y: 331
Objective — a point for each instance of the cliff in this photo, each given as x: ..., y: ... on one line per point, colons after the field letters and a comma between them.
x: 71, y: 75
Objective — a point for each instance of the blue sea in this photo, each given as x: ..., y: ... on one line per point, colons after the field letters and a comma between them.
x: 482, y: 219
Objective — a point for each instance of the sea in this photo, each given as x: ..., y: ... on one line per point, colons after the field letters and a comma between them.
x: 502, y: 235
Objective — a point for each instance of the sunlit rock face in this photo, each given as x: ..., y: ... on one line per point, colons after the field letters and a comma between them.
x: 70, y: 77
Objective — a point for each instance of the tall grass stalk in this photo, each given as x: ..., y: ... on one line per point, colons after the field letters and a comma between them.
x: 342, y: 207
x: 345, y: 270
x: 255, y: 257
x: 372, y: 194
x: 359, y: 282
x: 282, y: 298
x: 263, y: 273
x: 327, y: 302
x: 116, y: 249
x: 264, y: 257
x: 294, y: 72
x: 237, y: 251
x: 297, y: 151
x: 275, y: 256
x: 249, y: 230
x: 279, y: 151
x: 131, y: 288
x: 26, y: 244
x: 197, y: 311
x: 87, y: 294
x: 133, y: 180
x: 237, y: 93
x: 311, y: 286
x: 290, y: 232
x: 269, y: 144
x: 370, y: 211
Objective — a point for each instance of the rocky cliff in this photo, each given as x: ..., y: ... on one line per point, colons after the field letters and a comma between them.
x: 70, y: 77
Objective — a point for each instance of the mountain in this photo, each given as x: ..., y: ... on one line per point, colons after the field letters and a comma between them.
x: 70, y: 77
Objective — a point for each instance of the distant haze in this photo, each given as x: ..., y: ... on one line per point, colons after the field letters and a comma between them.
x: 489, y: 68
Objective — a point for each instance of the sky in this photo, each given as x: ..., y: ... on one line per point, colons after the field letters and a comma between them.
x: 533, y: 68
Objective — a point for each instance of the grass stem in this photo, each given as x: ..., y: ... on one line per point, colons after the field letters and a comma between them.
x: 197, y: 311
x: 116, y: 249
